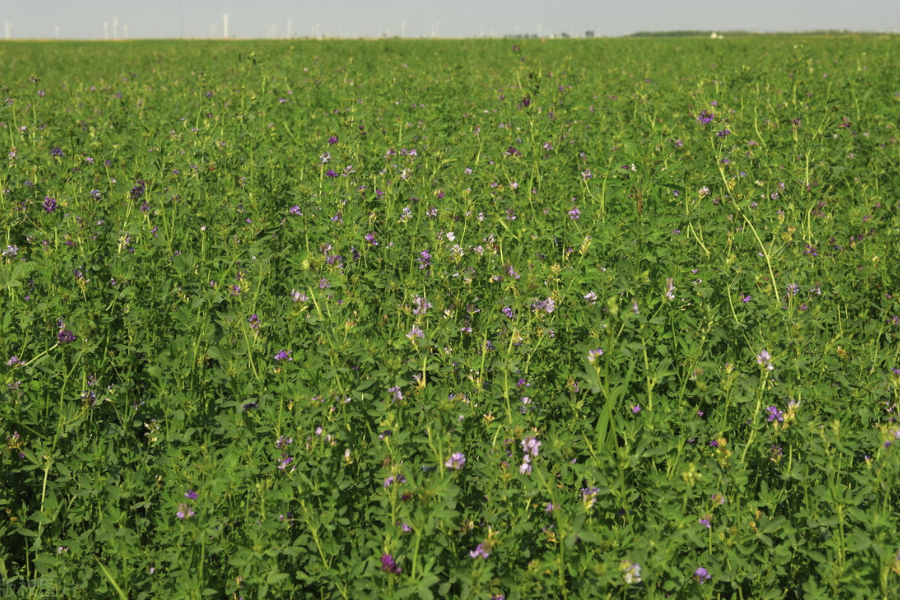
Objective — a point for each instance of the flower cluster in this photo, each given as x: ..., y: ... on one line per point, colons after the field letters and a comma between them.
x: 531, y: 446
x: 388, y: 565
x: 456, y: 461
x: 631, y: 572
x: 589, y: 497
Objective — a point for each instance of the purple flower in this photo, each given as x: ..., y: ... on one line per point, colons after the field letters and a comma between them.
x: 253, y: 320
x: 525, y: 467
x: 704, y: 521
x: 631, y: 572
x: 284, y: 355
x: 764, y: 360
x: 531, y: 446
x: 746, y: 298
x: 330, y: 173
x: 184, y: 511
x: 774, y: 414
x: 480, y: 551
x: 138, y: 190
x: 323, y: 284
x: 792, y: 289
x: 424, y: 259
x: 283, y: 442
x: 190, y: 495
x: 701, y: 575
x: 298, y: 297
x: 722, y: 133
x: 388, y: 565
x: 49, y: 204
x: 13, y: 361
x: 395, y: 393
x: 56, y: 151
x: 670, y: 288
x: 295, y: 210
x: 636, y: 409
x: 575, y: 214
x: 589, y: 497
x: 508, y: 311
x: 65, y: 336
x: 456, y: 461
x: 593, y: 354
x: 414, y: 333
x: 422, y: 305
x: 705, y: 117
x: 285, y: 461
x: 591, y: 298
x: 370, y: 237
x: 333, y: 140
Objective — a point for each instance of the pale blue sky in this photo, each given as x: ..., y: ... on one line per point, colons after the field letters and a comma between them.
x: 84, y: 19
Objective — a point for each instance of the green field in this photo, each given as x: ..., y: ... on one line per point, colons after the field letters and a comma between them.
x: 487, y: 319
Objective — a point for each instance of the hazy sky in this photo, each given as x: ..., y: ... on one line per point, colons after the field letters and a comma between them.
x: 84, y: 19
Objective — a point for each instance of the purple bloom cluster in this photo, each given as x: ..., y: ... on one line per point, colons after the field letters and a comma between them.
x: 765, y: 360
x: 422, y: 305
x: 774, y: 414
x: 480, y: 551
x: 701, y: 575
x: 705, y: 117
x: 456, y: 461
x: 138, y: 190
x: 388, y: 565
x: 589, y: 497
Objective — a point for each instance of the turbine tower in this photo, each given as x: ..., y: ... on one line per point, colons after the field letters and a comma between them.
x: 7, y: 25
x: 105, y: 30
x: 289, y: 23
x: 225, y: 25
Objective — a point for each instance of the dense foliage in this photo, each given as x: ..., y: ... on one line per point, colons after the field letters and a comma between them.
x: 580, y: 318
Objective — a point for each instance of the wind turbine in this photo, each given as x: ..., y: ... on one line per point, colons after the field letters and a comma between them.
x: 225, y: 25
x: 105, y: 30
x: 7, y: 25
x: 289, y: 23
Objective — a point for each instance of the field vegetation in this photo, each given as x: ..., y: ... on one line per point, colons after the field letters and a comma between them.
x: 467, y: 319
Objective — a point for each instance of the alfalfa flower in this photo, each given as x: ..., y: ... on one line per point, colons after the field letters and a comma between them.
x: 764, y: 359
x: 593, y: 354
x: 388, y: 565
x: 670, y: 288
x: 701, y: 575
x: 456, y: 461
x: 631, y: 572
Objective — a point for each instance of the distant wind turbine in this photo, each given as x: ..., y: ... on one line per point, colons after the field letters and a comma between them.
x: 289, y: 23
x: 7, y: 26
x: 105, y: 30
x: 225, y: 25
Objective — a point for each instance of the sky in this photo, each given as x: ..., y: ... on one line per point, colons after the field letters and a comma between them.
x: 133, y: 19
